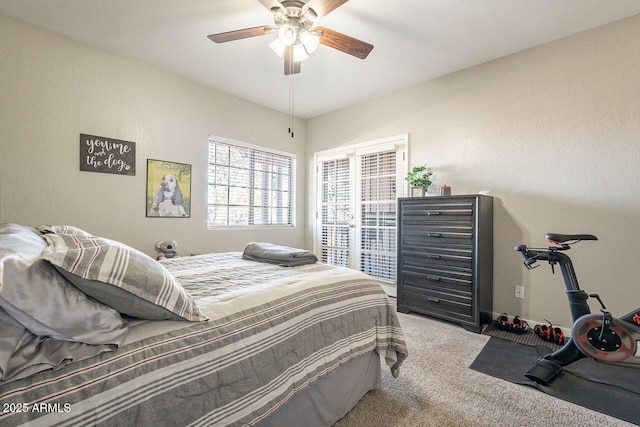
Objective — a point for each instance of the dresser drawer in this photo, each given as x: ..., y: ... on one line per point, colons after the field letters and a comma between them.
x: 438, y: 233
x: 420, y: 254
x: 425, y: 276
x: 443, y: 290
x: 431, y: 303
x: 433, y: 210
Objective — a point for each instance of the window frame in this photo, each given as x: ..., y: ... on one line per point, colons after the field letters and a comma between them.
x: 252, y: 172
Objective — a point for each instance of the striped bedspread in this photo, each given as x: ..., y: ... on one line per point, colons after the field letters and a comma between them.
x: 272, y: 331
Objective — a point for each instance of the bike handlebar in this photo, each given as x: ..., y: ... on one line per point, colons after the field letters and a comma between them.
x: 555, y: 255
x: 529, y: 258
x: 552, y: 253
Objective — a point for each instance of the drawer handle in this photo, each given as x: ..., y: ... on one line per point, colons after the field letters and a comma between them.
x: 433, y: 256
x: 433, y: 299
x: 434, y: 234
x: 433, y: 212
x: 434, y: 278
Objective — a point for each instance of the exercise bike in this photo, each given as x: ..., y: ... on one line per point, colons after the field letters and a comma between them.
x: 601, y: 337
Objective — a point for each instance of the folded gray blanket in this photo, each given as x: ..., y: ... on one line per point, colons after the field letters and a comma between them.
x: 279, y: 255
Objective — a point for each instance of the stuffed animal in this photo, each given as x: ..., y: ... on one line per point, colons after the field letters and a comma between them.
x: 166, y: 249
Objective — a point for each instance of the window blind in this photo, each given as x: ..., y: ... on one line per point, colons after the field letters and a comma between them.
x: 249, y: 186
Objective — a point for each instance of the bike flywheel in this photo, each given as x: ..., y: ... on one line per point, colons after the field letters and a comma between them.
x: 618, y: 345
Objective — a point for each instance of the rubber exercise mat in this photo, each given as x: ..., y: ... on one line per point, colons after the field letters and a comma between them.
x: 611, y: 390
x: 527, y: 338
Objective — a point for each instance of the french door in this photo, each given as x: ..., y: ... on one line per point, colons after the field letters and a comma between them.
x: 356, y: 204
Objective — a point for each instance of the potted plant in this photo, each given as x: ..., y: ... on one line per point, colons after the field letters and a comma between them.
x: 420, y: 179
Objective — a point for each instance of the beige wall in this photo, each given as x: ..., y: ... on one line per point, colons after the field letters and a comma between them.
x: 553, y: 133
x: 52, y: 89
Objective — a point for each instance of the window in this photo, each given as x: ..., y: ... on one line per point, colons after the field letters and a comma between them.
x: 356, y: 199
x: 249, y: 186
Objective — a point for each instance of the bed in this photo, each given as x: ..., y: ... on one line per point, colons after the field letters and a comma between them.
x: 225, y: 341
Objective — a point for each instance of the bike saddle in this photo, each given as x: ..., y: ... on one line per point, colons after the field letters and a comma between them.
x: 562, y: 238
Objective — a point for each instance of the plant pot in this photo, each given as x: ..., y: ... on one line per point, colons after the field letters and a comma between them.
x: 417, y: 191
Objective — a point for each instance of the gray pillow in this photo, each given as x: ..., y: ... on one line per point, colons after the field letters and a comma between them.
x: 38, y: 297
x: 122, y: 277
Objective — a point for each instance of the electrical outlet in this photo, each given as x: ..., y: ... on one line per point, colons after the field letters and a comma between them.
x: 519, y: 292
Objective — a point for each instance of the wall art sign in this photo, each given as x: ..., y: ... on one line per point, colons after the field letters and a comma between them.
x: 168, y: 189
x: 107, y: 155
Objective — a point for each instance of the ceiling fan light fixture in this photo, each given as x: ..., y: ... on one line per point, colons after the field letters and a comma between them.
x: 309, y: 15
x: 299, y: 52
x: 288, y: 34
x: 278, y: 47
x: 278, y: 12
x: 310, y: 40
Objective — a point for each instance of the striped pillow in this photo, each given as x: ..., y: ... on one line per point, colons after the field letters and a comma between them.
x: 62, y: 229
x: 121, y: 277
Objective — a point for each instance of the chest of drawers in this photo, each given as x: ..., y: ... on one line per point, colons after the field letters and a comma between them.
x: 445, y: 258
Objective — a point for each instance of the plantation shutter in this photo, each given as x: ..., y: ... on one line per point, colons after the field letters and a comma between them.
x: 336, y: 218
x: 377, y: 205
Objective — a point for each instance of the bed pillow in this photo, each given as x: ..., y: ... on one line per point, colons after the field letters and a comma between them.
x: 121, y: 277
x: 62, y: 229
x: 38, y: 297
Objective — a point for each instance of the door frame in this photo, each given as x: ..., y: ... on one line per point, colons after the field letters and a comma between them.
x: 399, y: 143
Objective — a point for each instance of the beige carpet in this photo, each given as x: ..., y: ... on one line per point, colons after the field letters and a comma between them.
x: 437, y: 388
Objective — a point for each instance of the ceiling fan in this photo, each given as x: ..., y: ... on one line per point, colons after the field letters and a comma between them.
x: 297, y: 37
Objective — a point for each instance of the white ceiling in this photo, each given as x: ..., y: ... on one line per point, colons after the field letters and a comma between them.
x: 415, y: 40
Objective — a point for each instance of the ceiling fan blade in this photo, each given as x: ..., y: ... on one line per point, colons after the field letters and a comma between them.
x: 323, y: 7
x: 344, y: 43
x: 241, y: 34
x: 290, y: 66
x: 270, y: 4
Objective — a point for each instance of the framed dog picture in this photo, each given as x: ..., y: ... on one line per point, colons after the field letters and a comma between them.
x: 168, y: 189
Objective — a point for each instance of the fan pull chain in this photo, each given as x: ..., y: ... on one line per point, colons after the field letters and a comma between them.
x: 291, y: 101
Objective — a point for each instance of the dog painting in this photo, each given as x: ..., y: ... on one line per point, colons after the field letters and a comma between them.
x: 165, y: 194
